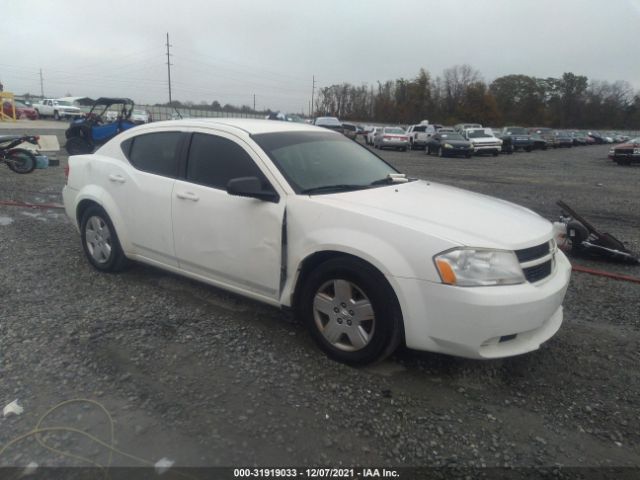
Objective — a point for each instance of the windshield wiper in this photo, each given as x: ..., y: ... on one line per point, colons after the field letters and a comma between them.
x: 342, y: 187
x: 391, y: 178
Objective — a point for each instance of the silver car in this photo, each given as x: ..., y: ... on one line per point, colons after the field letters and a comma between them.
x: 391, y: 137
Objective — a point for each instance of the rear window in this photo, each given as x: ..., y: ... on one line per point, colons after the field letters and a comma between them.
x: 420, y: 128
x: 154, y: 152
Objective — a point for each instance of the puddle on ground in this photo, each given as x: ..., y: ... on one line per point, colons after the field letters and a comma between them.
x: 4, y: 221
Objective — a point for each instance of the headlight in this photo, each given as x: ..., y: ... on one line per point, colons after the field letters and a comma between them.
x: 474, y: 267
x: 612, y: 151
x: 447, y: 145
x: 499, y: 142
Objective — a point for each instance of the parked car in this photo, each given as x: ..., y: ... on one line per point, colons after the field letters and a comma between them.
x: 139, y: 116
x: 545, y: 133
x: 331, y: 123
x: 597, y: 137
x: 520, y: 138
x: 562, y: 139
x: 21, y: 110
x: 349, y: 130
x: 538, y: 142
x: 366, y: 257
x: 446, y: 144
x: 483, y: 140
x: 626, y: 153
x: 391, y: 137
x: 371, y: 135
x: 579, y: 138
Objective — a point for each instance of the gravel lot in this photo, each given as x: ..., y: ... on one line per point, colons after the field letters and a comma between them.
x: 203, y: 377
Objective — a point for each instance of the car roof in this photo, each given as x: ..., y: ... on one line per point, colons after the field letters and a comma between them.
x: 248, y: 125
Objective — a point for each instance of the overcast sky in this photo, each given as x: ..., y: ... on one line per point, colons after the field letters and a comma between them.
x: 230, y: 50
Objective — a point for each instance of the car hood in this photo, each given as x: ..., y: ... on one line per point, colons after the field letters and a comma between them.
x: 628, y: 145
x: 456, y: 143
x: 459, y: 216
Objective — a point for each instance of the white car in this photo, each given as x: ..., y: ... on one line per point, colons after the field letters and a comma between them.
x: 140, y: 116
x: 391, y: 137
x: 483, y: 140
x: 299, y: 216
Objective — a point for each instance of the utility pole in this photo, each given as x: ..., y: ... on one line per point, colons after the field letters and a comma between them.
x: 169, y: 67
x: 41, y: 85
x: 313, y: 89
x: 254, y: 102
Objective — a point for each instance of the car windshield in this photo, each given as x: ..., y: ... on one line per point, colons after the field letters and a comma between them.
x: 332, y: 121
x: 139, y: 112
x: 477, y: 134
x: 394, y: 130
x: 516, y: 131
x: 452, y: 136
x: 20, y: 104
x: 315, y: 160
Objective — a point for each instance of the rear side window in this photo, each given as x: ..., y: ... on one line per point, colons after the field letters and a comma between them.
x: 213, y: 161
x: 420, y: 128
x: 155, y: 153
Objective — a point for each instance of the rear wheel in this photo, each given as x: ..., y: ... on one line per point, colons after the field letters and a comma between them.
x: 496, y: 153
x: 21, y: 160
x: 100, y: 241
x: 350, y: 311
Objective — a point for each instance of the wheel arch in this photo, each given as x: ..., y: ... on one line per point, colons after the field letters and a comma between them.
x: 315, y: 259
x: 104, y: 201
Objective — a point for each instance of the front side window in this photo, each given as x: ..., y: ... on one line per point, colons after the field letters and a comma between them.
x: 155, y: 152
x: 213, y: 161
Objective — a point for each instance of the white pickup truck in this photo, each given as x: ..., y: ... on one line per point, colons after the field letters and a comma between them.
x: 50, y: 107
x: 420, y: 134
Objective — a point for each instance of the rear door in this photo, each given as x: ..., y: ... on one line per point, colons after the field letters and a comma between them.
x: 143, y: 188
x: 232, y: 241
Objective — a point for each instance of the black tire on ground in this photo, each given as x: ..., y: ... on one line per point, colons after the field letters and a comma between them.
x: 468, y: 155
x: 99, y: 235
x: 77, y: 146
x: 384, y: 331
x: 528, y: 149
x: 21, y: 160
x: 496, y: 153
x: 404, y: 149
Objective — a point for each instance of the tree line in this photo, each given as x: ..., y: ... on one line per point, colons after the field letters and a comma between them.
x: 461, y: 95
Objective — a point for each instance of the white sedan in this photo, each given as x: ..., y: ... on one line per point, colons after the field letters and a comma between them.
x: 298, y: 216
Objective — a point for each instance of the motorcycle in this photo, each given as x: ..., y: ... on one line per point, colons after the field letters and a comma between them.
x: 20, y: 160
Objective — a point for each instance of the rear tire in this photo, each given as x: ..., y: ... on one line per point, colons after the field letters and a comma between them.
x: 100, y: 241
x: 21, y: 160
x: 351, y: 311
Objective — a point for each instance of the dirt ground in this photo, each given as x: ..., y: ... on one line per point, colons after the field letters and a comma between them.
x: 206, y: 378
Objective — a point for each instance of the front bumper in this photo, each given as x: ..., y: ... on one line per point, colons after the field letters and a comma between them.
x: 458, y: 150
x: 483, y: 322
x: 487, y: 148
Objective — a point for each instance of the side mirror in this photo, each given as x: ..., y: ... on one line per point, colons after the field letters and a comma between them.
x: 251, y: 187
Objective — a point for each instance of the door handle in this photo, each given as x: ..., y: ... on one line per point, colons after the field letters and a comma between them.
x: 116, y: 178
x: 188, y: 196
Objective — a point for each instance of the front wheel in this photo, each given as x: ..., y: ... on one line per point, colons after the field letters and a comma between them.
x: 351, y: 311
x: 100, y: 241
x: 21, y: 160
x: 77, y: 146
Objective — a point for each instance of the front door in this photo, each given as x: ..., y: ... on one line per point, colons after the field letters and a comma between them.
x: 232, y: 241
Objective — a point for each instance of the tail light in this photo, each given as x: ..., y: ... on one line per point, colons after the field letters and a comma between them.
x: 388, y: 137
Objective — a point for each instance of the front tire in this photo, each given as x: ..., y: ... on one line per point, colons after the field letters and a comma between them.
x: 100, y: 241
x: 21, y: 160
x: 351, y: 311
x: 77, y: 146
